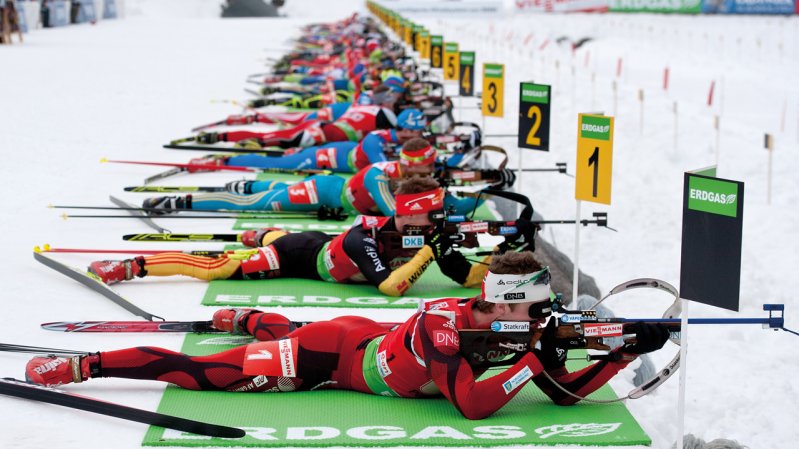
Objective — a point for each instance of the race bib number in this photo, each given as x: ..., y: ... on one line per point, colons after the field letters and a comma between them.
x: 271, y: 358
x: 303, y: 193
x: 326, y: 158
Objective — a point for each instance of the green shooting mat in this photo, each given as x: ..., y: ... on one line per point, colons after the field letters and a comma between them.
x: 346, y: 418
x: 305, y: 292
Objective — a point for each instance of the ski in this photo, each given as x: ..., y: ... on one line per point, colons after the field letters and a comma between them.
x: 137, y: 213
x: 19, y: 389
x: 164, y: 174
x: 94, y: 283
x: 190, y: 167
x: 322, y: 214
x: 48, y: 249
x: 131, y: 326
x: 265, y: 151
x: 183, y: 237
x: 174, y: 189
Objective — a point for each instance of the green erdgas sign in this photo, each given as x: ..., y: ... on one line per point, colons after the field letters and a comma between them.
x: 681, y: 6
x: 535, y: 93
x: 467, y: 58
x: 713, y: 196
x: 595, y: 127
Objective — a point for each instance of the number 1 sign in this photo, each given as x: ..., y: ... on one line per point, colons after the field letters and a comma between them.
x: 594, y: 158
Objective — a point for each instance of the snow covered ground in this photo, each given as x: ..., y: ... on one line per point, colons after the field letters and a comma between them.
x: 119, y: 89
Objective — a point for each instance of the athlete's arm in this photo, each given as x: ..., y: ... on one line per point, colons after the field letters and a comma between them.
x: 373, y: 147
x: 362, y: 249
x: 456, y: 267
x: 461, y: 206
x: 580, y: 383
x: 378, y: 185
x: 455, y: 379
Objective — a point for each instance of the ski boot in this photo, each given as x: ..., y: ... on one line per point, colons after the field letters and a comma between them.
x: 241, y: 187
x: 52, y: 371
x: 232, y: 320
x: 161, y: 205
x: 210, y: 138
x: 254, y: 238
x: 114, y: 271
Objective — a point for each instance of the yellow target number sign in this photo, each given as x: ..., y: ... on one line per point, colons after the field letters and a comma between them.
x: 436, y: 51
x: 493, y: 90
x: 594, y: 158
x: 424, y: 45
x: 451, y: 67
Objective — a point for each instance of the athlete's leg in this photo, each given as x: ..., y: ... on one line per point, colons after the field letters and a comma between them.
x: 222, y: 371
x: 305, y: 196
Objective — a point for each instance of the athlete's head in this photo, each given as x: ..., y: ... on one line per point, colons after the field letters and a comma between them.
x: 384, y: 97
x: 516, y: 288
x: 417, y: 199
x: 410, y: 123
x: 417, y: 157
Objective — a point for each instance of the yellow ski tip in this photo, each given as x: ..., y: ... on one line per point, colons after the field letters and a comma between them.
x: 103, y: 160
x: 50, y: 205
x: 64, y: 216
x: 47, y: 247
x: 36, y: 249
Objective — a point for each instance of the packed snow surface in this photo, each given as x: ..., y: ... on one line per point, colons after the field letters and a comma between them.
x: 120, y: 89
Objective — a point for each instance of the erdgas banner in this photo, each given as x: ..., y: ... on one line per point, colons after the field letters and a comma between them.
x: 675, y: 6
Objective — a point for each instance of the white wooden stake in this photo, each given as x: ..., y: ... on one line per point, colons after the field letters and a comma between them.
x: 641, y: 103
x: 782, y: 118
x: 770, y: 157
x: 576, y: 273
x: 676, y: 121
x: 770, y: 148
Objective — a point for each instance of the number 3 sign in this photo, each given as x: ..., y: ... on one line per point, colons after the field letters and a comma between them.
x: 493, y: 90
x: 534, y: 116
x: 594, y: 158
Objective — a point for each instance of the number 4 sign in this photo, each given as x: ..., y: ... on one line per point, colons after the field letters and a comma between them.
x: 534, y: 116
x: 594, y: 158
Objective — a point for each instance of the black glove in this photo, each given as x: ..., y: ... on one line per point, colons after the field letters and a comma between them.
x: 526, y: 234
x: 551, y: 355
x: 440, y: 243
x: 501, y: 179
x: 648, y: 337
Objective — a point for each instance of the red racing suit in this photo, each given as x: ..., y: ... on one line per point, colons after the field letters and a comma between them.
x: 418, y: 358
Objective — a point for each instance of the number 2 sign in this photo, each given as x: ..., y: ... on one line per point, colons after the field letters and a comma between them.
x: 534, y: 116
x: 594, y: 158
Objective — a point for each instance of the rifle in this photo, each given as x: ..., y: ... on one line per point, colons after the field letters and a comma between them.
x: 507, y: 342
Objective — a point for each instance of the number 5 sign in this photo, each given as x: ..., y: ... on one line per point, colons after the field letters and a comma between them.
x: 493, y: 89
x: 451, y: 67
x: 534, y: 116
x: 594, y: 158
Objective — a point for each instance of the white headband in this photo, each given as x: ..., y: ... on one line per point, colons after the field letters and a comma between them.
x: 516, y: 288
